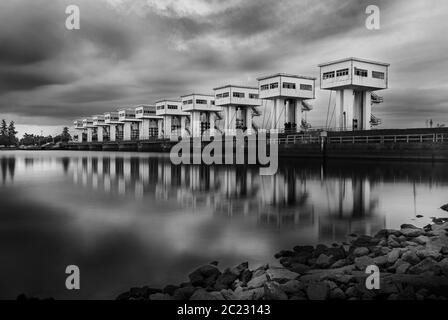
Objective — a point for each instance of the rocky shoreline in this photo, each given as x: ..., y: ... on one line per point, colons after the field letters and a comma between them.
x: 413, y: 264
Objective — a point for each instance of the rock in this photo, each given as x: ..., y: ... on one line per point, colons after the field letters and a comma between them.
x: 251, y: 294
x: 204, y: 276
x: 421, y: 240
x: 336, y: 253
x: 292, y: 286
x: 238, y: 270
x: 363, y: 262
x: 412, y: 233
x: 273, y: 291
x: 317, y: 291
x: 228, y: 294
x: 425, y: 253
x: 351, y: 292
x: 408, y: 226
x: 299, y: 268
x: 281, y: 275
x: 225, y: 280
x: 143, y: 292
x: 217, y: 295
x: 444, y: 207
x: 245, y: 276
x: 160, y: 296
x: 202, y: 294
x: 410, y: 257
x: 170, y: 289
x: 444, y: 266
x: 337, y: 294
x: 380, y: 261
x: 393, y: 256
x: 257, y: 282
x: 340, y: 263
x: 214, y: 263
x: 426, y: 265
x: 365, y: 241
x: 323, y: 261
x: 402, y: 268
x: 437, y: 243
x: 184, y: 293
x: 361, y: 251
x: 284, y: 253
x: 300, y: 249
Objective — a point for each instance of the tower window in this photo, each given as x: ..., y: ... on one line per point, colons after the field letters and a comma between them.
x: 328, y: 75
x: 264, y: 87
x: 378, y: 75
x: 289, y: 85
x: 306, y: 87
x: 253, y: 96
x: 200, y: 101
x: 361, y: 72
x: 273, y: 85
x: 342, y: 72
x: 238, y: 95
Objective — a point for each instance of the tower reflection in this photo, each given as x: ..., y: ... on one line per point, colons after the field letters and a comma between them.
x: 300, y: 197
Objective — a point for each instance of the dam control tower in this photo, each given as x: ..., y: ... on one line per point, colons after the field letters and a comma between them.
x: 355, y: 82
x: 289, y: 93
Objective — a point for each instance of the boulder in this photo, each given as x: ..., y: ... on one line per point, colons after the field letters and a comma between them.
x: 425, y: 253
x: 281, y: 275
x: 363, y: 262
x: 403, y: 268
x: 238, y: 270
x: 299, y: 268
x: 292, y: 286
x: 412, y: 233
x: 273, y: 291
x: 323, y: 261
x: 410, y: 257
x: 251, y: 294
x: 393, y: 256
x: 225, y: 280
x: 257, y: 282
x: 318, y: 291
x: 184, y: 293
x: 380, y: 261
x: 427, y: 265
x: 421, y: 240
x: 365, y: 241
x: 360, y: 251
x: 444, y: 266
x: 245, y: 276
x: 340, y: 263
x: 160, y: 296
x: 202, y: 294
x: 337, y: 294
x: 204, y: 276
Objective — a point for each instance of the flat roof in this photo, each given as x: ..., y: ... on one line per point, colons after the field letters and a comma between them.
x: 286, y: 75
x: 235, y: 86
x: 354, y: 59
x: 145, y: 106
x: 126, y: 109
x: 168, y: 100
x: 197, y: 94
x: 111, y: 112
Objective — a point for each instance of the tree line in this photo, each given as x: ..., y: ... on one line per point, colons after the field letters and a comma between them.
x: 8, y: 136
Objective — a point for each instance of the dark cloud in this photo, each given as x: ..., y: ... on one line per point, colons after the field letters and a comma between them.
x: 130, y: 52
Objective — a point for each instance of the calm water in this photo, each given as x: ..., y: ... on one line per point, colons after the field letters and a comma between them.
x: 133, y: 219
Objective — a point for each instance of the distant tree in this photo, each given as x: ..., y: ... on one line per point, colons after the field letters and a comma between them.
x: 3, y: 128
x: 65, y: 136
x: 12, y: 133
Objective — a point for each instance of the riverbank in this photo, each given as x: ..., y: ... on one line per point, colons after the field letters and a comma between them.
x: 413, y: 264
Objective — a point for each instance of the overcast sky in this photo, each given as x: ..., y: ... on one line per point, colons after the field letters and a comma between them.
x: 132, y: 52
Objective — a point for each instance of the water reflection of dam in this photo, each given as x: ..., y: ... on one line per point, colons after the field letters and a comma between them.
x: 294, y: 197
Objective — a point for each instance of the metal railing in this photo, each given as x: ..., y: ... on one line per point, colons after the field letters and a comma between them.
x: 382, y: 139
